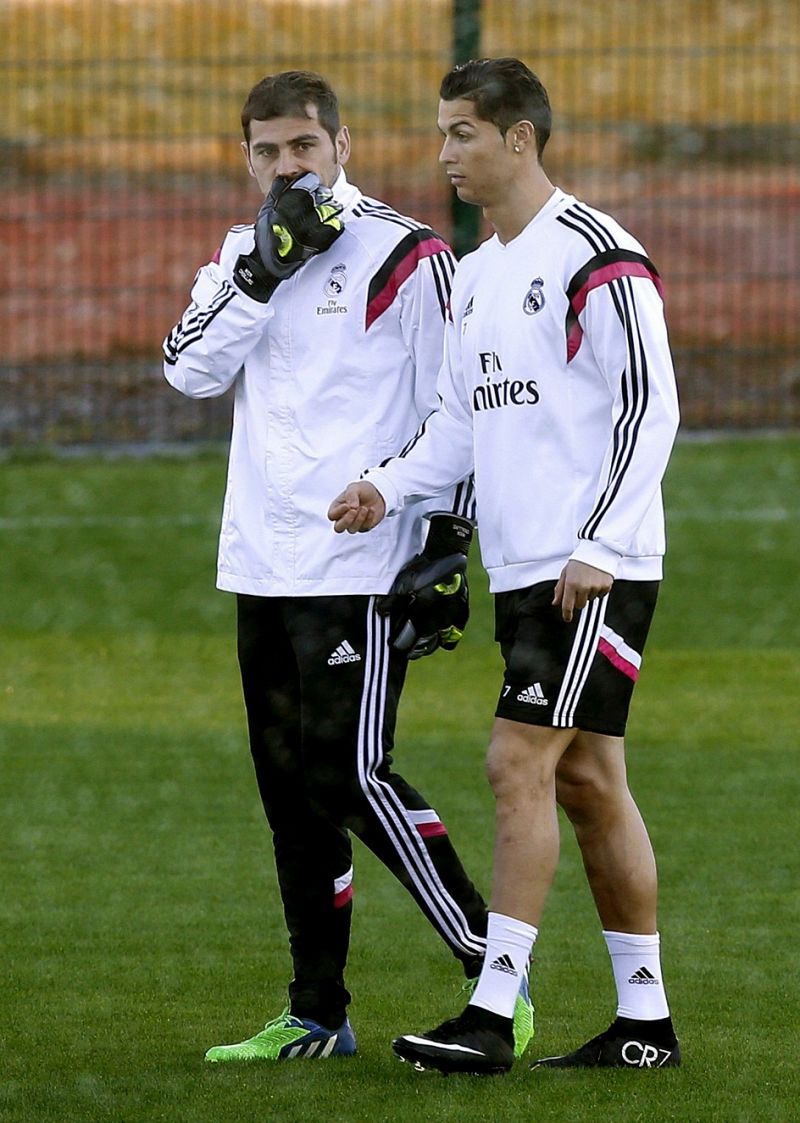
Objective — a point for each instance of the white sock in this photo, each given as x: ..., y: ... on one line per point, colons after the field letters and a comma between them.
x: 508, y: 952
x: 636, y: 961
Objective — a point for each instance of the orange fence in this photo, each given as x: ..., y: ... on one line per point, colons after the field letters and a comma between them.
x: 121, y: 171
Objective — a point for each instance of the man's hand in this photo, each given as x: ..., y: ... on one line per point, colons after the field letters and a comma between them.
x: 296, y: 221
x: 301, y: 221
x: 360, y: 507
x: 578, y: 584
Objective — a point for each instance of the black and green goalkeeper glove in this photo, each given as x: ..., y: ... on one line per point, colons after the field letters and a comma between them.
x: 297, y: 221
x: 429, y: 600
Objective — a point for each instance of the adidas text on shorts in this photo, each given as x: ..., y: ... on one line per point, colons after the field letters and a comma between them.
x: 579, y: 674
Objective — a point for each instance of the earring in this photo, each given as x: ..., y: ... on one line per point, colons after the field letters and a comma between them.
x: 516, y: 148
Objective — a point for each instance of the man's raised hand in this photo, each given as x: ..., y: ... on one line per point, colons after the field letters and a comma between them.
x: 297, y: 221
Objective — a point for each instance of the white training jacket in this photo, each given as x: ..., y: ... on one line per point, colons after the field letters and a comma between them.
x: 558, y: 388
x: 333, y: 374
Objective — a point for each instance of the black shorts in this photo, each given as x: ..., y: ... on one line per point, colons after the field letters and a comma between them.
x: 577, y: 675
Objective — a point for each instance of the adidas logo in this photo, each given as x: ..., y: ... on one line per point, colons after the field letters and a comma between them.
x: 344, y: 653
x: 503, y: 963
x: 643, y: 976
x: 533, y: 695
x: 467, y: 312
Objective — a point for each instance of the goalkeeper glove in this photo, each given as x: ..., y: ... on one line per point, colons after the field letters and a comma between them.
x: 296, y: 221
x: 429, y: 600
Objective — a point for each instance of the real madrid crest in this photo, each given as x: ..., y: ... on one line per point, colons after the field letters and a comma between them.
x: 334, y: 288
x: 534, y: 297
x: 335, y: 284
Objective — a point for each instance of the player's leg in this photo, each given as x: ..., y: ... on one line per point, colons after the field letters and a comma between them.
x: 521, y: 767
x: 451, y: 875
x: 527, y: 743
x: 592, y: 788
x: 313, y: 857
x: 618, y: 858
x: 592, y: 779
x: 352, y: 682
x: 543, y: 669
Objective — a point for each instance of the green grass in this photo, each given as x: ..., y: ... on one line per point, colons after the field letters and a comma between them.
x: 139, y: 913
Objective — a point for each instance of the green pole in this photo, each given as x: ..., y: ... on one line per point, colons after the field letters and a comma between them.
x: 466, y: 219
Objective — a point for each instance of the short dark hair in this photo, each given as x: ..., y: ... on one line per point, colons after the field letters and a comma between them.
x: 504, y: 91
x: 289, y: 94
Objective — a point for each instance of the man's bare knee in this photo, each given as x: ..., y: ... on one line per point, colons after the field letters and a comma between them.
x: 590, y: 787
x: 507, y: 762
x: 523, y: 757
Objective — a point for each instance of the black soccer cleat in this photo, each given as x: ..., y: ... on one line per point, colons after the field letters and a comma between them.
x: 477, y: 1041
x: 622, y: 1045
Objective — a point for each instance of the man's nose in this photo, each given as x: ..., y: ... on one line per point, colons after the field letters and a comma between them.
x: 288, y: 166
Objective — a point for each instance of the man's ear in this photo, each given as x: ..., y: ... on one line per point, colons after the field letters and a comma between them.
x: 247, y: 160
x: 342, y: 145
x: 522, y: 136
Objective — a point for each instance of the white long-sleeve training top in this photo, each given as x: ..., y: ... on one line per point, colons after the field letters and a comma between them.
x: 333, y: 374
x: 558, y: 388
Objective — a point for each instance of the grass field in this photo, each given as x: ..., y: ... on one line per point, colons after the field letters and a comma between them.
x: 139, y: 913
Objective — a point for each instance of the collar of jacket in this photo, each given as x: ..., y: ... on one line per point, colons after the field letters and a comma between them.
x: 345, y: 192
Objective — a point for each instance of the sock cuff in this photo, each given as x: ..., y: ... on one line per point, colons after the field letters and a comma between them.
x: 511, y: 928
x: 630, y: 941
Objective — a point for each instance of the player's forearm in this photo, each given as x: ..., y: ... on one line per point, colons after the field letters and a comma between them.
x: 437, y: 458
x: 208, y: 346
x: 634, y: 467
x: 631, y: 347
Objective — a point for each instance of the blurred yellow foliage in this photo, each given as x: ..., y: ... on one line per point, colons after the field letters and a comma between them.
x: 679, y: 115
x: 181, y: 68
x: 162, y: 69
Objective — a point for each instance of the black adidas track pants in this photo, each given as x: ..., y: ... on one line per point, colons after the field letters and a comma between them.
x: 321, y: 689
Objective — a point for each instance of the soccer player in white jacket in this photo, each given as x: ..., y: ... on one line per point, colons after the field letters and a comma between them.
x: 329, y: 329
x: 557, y: 389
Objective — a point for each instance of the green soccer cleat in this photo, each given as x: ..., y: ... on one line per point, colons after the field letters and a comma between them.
x: 523, y: 1020
x: 523, y: 1015
x: 286, y: 1038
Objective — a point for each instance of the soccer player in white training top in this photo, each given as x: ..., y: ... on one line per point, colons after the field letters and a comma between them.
x: 558, y: 390
x: 326, y: 318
